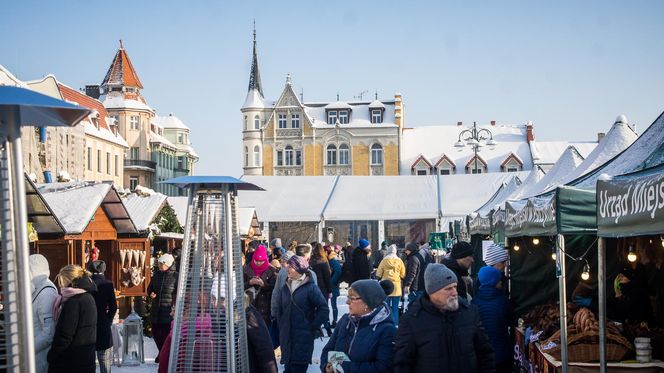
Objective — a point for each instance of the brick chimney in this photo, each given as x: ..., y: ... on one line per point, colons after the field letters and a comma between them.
x: 493, y: 122
x: 600, y: 136
x: 530, y: 135
x: 459, y: 124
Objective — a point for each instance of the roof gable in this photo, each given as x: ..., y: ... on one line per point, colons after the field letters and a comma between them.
x: 421, y: 159
x: 72, y: 95
x: 479, y: 158
x: 444, y: 157
x: 510, y: 157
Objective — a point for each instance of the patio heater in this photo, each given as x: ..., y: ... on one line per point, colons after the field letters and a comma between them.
x: 209, y: 327
x: 20, y: 107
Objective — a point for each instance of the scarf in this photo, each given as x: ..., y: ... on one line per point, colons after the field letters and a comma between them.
x: 61, y: 299
x: 261, y: 255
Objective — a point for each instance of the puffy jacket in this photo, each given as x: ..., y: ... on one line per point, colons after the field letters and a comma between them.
x: 335, y: 278
x: 368, y: 342
x: 323, y: 276
x: 412, y: 272
x: 282, y: 276
x: 494, y: 310
x: 432, y: 341
x: 302, y: 313
x: 361, y: 268
x: 165, y: 285
x: 73, y: 348
x: 263, y: 299
x: 259, y: 344
x: 392, y: 268
x: 106, y: 309
x: 460, y: 272
x: 43, y: 296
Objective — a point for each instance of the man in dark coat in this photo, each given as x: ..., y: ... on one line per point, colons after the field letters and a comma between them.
x: 440, y: 333
x: 460, y: 261
x: 106, y: 309
x: 361, y: 266
x: 411, y: 283
x: 162, y: 290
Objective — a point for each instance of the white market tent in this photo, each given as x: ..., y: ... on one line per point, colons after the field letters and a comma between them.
x: 143, y: 208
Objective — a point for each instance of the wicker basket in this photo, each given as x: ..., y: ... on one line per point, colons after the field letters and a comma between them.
x: 586, y: 352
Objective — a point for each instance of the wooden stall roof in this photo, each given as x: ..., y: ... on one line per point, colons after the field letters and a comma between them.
x: 39, y: 212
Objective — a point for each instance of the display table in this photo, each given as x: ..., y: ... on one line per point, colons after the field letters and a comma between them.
x: 541, y: 362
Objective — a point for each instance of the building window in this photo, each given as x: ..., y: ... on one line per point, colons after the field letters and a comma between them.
x: 512, y: 169
x: 282, y: 121
x: 89, y: 159
x: 108, y: 163
x: 280, y: 158
x: 344, y: 154
x: 422, y: 172
x: 376, y: 116
x: 331, y: 154
x: 133, y: 182
x: 332, y: 117
x: 257, y: 156
x: 246, y: 123
x: 376, y: 154
x: 298, y: 157
x: 343, y: 117
x: 180, y: 138
x: 117, y: 173
x: 98, y: 160
x: 445, y: 171
x: 474, y: 171
x: 133, y: 153
x: 295, y: 120
x: 115, y: 119
x: 133, y: 121
x: 289, y: 155
x: 246, y: 157
x: 257, y: 122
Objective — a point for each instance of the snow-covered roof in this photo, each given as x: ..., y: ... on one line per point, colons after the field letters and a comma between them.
x: 533, y: 178
x: 143, y: 208
x: 376, y: 104
x: 548, y: 152
x: 75, y: 204
x: 116, y: 100
x: 179, y: 205
x: 338, y: 105
x: 383, y: 198
x: 559, y: 174
x: 155, y: 137
x: 104, y: 134
x: 7, y: 78
x: 170, y: 121
x: 360, y: 115
x: 246, y: 217
x: 501, y: 195
x: 254, y: 100
x: 39, y: 212
x: 434, y: 142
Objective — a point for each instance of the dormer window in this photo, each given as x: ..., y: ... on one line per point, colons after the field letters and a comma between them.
x: 282, y: 121
x: 295, y: 120
x: 95, y: 122
x: 376, y: 116
x: 343, y: 116
x: 332, y: 117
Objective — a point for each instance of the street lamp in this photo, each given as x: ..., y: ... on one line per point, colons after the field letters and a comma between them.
x: 475, y: 138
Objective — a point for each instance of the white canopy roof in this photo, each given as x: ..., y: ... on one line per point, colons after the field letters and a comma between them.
x: 557, y: 175
x: 463, y: 194
x: 144, y: 208
x: 501, y: 195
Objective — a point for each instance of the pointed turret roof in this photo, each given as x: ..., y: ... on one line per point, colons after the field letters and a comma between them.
x: 255, y: 76
x: 121, y: 72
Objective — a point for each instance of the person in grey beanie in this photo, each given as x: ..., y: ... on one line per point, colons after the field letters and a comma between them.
x: 366, y: 333
x: 440, y: 334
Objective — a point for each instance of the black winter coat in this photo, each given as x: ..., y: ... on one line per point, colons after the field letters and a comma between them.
x: 412, y: 272
x: 431, y: 341
x: 261, y: 352
x: 73, y: 348
x: 361, y: 267
x: 460, y: 272
x: 301, y: 314
x: 323, y: 277
x: 165, y: 285
x: 106, y: 309
x: 263, y: 298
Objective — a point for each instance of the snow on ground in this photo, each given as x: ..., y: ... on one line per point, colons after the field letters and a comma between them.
x: 150, y: 349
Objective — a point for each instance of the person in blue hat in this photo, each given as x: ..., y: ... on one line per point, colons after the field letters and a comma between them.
x: 361, y: 266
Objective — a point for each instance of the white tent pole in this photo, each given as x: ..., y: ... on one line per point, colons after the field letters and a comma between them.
x: 562, y: 293
x: 601, y: 287
x: 381, y: 234
x: 21, y: 243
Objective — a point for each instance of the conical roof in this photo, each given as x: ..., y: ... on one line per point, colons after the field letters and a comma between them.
x: 121, y: 72
x: 255, y: 76
x: 557, y: 175
x: 501, y: 195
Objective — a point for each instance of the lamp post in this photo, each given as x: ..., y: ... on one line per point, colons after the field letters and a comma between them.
x: 475, y: 138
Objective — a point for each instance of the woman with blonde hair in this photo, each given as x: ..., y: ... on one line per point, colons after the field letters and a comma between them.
x: 75, y: 314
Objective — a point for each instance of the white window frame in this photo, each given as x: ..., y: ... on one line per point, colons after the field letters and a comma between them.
x: 246, y: 123
x: 512, y: 169
x: 108, y: 163
x: 421, y: 172
x: 257, y: 155
x: 180, y: 138
x: 133, y: 182
x: 246, y: 157
x: 331, y: 155
x: 134, y: 152
x: 376, y: 154
x: 295, y: 120
x: 344, y: 155
x: 99, y: 160
x: 442, y: 171
x: 89, y: 159
x: 343, y: 116
x: 332, y: 117
x: 289, y: 156
x: 133, y: 122
x: 116, y: 159
x: 376, y: 116
x: 257, y: 122
x: 282, y: 121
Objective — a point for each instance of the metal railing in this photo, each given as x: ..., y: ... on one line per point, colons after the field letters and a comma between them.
x: 140, y: 163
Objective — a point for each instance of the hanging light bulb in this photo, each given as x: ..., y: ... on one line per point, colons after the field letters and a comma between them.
x: 662, y: 238
x: 554, y: 255
x: 585, y: 275
x: 516, y: 247
x: 632, y: 255
x: 535, y: 241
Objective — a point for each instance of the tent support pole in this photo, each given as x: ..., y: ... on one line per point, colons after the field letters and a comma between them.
x: 601, y: 285
x: 562, y: 293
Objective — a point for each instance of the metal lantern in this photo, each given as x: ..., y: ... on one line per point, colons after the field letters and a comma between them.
x: 132, y: 346
x: 209, y: 326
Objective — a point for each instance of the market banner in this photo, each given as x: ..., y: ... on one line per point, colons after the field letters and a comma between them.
x: 631, y: 204
x: 477, y: 224
x: 533, y: 217
x: 576, y: 210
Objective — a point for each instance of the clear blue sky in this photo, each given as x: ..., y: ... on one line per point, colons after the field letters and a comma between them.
x: 569, y: 66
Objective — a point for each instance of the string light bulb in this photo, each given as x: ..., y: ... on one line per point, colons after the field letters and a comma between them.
x: 585, y: 275
x: 535, y: 241
x: 516, y: 246
x: 632, y: 255
x: 554, y: 255
x: 662, y: 238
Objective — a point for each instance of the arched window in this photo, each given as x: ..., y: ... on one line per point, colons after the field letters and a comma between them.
x: 376, y: 154
x: 331, y: 154
x: 246, y: 123
x: 344, y: 154
x: 257, y: 156
x: 257, y: 122
x: 246, y: 157
x: 288, y: 155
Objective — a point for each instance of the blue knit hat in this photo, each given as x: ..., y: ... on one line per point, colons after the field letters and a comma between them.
x: 364, y: 243
x: 488, y: 276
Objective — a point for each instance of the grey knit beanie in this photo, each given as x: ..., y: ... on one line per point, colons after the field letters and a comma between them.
x: 437, y: 276
x: 370, y: 291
